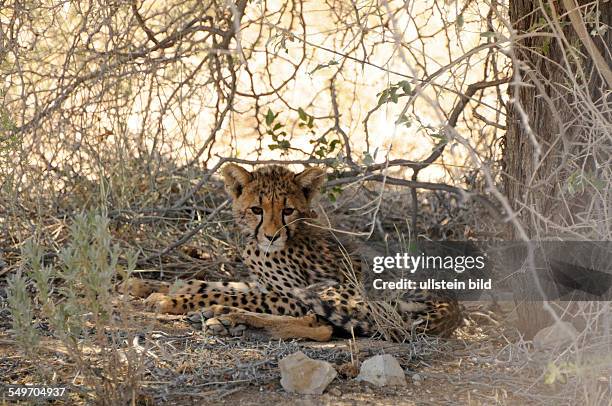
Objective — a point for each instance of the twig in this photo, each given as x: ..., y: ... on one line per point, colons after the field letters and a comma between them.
x: 186, y: 236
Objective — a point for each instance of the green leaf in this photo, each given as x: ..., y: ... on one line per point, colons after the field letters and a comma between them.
x: 580, y: 180
x: 270, y: 117
x: 441, y: 137
x: 404, y: 119
x: 334, y: 193
x: 405, y: 85
x: 488, y: 34
x: 284, y: 144
x: 394, y: 97
x: 277, y: 126
x: 303, y: 115
x: 384, y: 96
x: 323, y: 65
x: 460, y: 21
x: 310, y: 121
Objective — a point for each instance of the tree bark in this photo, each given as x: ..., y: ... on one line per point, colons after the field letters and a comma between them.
x: 535, y: 155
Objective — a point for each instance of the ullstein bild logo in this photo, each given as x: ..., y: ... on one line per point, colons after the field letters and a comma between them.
x: 567, y: 270
x: 432, y: 284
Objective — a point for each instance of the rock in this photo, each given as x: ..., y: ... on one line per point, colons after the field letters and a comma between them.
x: 556, y: 335
x: 335, y: 392
x: 300, y: 374
x: 417, y: 379
x: 382, y: 370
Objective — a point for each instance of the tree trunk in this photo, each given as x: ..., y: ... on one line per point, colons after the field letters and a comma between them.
x: 538, y: 176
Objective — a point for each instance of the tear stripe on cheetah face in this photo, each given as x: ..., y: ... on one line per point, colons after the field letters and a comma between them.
x: 297, y: 268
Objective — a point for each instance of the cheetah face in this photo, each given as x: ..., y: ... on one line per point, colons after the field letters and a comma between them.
x: 270, y: 203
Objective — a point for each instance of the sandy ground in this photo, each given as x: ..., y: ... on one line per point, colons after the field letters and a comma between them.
x: 482, y: 365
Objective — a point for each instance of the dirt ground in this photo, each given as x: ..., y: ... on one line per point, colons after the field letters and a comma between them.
x: 481, y: 365
x: 486, y: 362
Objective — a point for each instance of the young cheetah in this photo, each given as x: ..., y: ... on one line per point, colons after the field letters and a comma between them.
x: 299, y: 286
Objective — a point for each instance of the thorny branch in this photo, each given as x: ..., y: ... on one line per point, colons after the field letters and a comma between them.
x: 145, y: 92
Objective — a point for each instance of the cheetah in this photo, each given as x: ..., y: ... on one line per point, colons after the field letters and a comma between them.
x: 299, y: 285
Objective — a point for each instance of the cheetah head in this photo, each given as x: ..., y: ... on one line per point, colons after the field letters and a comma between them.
x: 270, y: 202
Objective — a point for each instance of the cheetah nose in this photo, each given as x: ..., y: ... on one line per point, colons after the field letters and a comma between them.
x: 272, y: 238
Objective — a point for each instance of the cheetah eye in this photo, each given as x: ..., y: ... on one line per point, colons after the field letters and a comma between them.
x: 257, y: 210
x: 288, y: 211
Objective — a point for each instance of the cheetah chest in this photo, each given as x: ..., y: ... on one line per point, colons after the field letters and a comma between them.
x: 292, y: 267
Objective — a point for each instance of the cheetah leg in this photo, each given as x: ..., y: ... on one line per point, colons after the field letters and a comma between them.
x: 251, y: 299
x: 145, y: 287
x: 222, y: 320
x: 196, y: 286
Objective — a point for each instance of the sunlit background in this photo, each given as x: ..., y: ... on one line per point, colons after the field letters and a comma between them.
x: 90, y: 82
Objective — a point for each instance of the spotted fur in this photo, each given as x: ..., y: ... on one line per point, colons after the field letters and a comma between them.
x: 296, y: 267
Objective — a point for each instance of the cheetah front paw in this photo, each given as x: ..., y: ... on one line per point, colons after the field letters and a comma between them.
x: 223, y: 326
x: 217, y: 320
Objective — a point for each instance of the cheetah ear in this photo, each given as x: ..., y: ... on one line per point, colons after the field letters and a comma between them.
x: 310, y: 180
x: 236, y: 178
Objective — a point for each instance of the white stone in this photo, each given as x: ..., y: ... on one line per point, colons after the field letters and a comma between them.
x: 382, y: 370
x: 556, y: 335
x: 300, y: 374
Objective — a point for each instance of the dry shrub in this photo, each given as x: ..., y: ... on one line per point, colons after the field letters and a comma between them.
x: 73, y: 310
